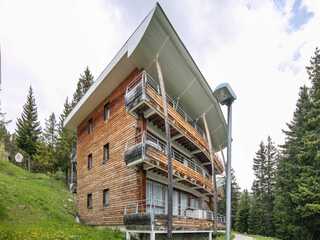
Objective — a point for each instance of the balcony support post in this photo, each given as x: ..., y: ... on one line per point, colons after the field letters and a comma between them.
x: 168, y: 138
x: 214, y: 183
x: 143, y: 84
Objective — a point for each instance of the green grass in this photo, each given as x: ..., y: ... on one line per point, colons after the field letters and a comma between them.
x: 221, y: 236
x: 36, y: 206
x: 256, y: 237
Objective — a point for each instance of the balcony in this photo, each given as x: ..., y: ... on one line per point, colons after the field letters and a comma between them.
x: 148, y: 150
x: 152, y: 214
x: 143, y: 97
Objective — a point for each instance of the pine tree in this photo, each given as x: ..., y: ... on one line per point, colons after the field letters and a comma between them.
x: 272, y: 157
x: 286, y: 217
x: 264, y: 167
x: 242, y: 217
x: 235, y: 196
x: 28, y: 127
x: 256, y: 211
x: 87, y: 80
x: 66, y: 140
x: 307, y: 196
x: 84, y: 83
x: 45, y: 160
x: 50, y: 132
x: 297, y: 212
x: 66, y: 110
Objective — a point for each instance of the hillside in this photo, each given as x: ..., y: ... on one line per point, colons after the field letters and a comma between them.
x: 36, y: 206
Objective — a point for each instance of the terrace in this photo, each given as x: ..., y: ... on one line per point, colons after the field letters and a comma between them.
x: 143, y: 98
x: 150, y: 151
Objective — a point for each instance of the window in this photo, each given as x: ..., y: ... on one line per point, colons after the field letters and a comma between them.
x: 89, y: 200
x: 90, y: 126
x: 89, y: 161
x: 106, y: 197
x: 105, y: 153
x: 106, y: 111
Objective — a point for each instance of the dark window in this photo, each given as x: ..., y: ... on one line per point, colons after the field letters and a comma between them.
x: 89, y: 161
x: 90, y: 126
x: 106, y: 111
x: 106, y: 197
x: 105, y: 153
x: 89, y: 200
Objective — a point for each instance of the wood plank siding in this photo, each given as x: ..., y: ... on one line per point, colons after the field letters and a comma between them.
x: 124, y: 184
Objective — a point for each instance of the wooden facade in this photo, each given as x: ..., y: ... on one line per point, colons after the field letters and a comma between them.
x: 127, y: 184
x: 124, y: 183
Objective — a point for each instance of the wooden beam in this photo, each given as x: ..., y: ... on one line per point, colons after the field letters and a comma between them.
x: 179, y: 135
x: 214, y: 183
x: 149, y: 113
x: 207, y: 163
x: 196, y: 151
x: 168, y: 136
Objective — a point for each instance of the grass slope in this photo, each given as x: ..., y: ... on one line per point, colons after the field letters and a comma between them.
x: 36, y: 206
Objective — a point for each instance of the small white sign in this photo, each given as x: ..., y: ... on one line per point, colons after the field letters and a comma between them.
x: 18, y: 157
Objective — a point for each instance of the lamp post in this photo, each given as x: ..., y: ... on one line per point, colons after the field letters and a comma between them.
x: 225, y: 96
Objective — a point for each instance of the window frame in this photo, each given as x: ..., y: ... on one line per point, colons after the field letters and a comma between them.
x: 106, y: 196
x: 90, y: 160
x: 89, y: 201
x: 106, y: 109
x: 106, y: 147
x: 90, y: 126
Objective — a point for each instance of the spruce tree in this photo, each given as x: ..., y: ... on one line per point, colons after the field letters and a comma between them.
x: 66, y: 140
x: 28, y: 127
x: 50, y: 132
x: 242, y: 217
x: 272, y: 157
x: 264, y: 167
x: 307, y: 196
x: 286, y: 217
x: 87, y: 80
x: 84, y: 83
x: 297, y: 214
x: 235, y: 196
x: 45, y: 160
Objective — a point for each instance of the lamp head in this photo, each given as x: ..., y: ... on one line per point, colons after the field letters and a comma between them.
x: 224, y: 94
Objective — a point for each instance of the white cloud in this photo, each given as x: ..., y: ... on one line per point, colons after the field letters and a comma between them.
x: 49, y: 43
x: 247, y: 43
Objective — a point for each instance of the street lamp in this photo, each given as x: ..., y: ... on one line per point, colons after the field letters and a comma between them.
x: 225, y: 96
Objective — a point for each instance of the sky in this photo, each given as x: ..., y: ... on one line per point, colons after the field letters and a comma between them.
x: 260, y: 47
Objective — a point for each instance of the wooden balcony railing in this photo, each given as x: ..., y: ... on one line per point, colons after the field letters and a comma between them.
x: 147, y: 148
x: 153, y: 213
x: 144, y: 89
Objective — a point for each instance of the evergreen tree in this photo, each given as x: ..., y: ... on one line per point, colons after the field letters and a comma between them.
x: 235, y: 196
x: 28, y: 127
x: 50, y: 132
x: 264, y: 167
x: 242, y: 218
x: 286, y: 217
x: 307, y: 196
x: 87, y: 80
x: 66, y: 140
x: 84, y: 83
x: 297, y: 214
x: 45, y: 160
x: 272, y: 158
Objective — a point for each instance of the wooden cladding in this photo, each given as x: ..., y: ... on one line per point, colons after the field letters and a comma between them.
x: 105, y: 185
x: 109, y: 181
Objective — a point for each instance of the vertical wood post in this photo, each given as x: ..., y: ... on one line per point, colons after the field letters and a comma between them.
x: 214, y: 183
x: 168, y: 138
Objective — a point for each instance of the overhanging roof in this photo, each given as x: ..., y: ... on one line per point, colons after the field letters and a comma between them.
x: 183, y: 79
